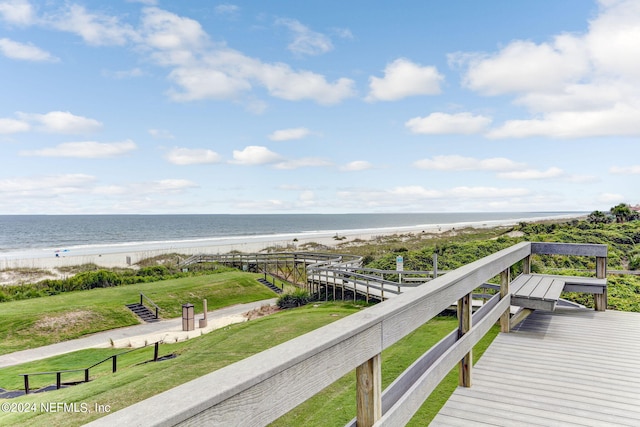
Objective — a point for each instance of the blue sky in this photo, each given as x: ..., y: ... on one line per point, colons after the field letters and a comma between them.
x: 325, y: 107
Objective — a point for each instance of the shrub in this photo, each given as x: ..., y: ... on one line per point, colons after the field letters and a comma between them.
x: 297, y: 298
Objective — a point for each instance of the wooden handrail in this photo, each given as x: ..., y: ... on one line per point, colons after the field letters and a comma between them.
x: 265, y: 386
x: 143, y: 296
x: 113, y: 359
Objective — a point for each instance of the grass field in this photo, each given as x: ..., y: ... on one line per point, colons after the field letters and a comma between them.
x: 196, y: 357
x: 134, y: 382
x: 41, y: 321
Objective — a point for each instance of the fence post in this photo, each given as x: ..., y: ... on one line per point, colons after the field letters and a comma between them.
x: 435, y: 265
x: 526, y: 265
x: 369, y: 392
x: 464, y: 325
x: 155, y: 351
x: 58, y: 380
x: 601, y: 273
x: 86, y: 375
x: 505, y: 279
x: 114, y: 363
x: 26, y: 384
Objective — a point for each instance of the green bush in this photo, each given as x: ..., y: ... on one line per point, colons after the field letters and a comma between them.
x: 297, y: 298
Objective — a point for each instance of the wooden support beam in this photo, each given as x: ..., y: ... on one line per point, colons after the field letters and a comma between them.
x: 464, y: 326
x: 601, y: 273
x: 526, y: 265
x: 369, y: 392
x: 519, y: 317
x: 505, y: 279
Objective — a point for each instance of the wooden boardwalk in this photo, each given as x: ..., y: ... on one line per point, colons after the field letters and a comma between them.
x: 567, y: 368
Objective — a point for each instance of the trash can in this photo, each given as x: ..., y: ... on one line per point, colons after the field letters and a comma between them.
x: 188, y: 322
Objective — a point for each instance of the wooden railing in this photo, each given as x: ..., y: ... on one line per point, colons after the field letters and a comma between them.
x: 258, y: 390
x: 144, y: 297
x: 114, y: 368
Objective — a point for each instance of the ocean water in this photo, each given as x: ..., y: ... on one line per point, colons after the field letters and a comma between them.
x: 26, y: 233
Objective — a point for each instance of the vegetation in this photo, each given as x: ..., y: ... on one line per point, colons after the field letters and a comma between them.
x: 41, y: 321
x: 295, y: 298
x: 137, y: 382
x: 90, y: 276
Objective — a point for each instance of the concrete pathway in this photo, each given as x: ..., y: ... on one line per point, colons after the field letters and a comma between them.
x: 137, y: 335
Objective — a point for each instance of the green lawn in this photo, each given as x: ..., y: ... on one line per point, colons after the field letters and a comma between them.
x: 196, y: 357
x: 41, y: 321
x: 134, y: 382
x: 336, y: 405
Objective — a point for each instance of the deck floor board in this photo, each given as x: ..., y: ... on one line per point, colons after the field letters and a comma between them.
x: 566, y: 368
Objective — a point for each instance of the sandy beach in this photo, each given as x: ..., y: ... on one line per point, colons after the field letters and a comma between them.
x: 128, y: 255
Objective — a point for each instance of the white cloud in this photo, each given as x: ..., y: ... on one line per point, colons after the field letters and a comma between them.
x: 95, y: 29
x: 85, y: 150
x: 460, y: 163
x: 289, y: 134
x: 161, y: 134
x: 403, y: 78
x: 619, y: 120
x: 8, y: 126
x: 552, y: 172
x: 226, y: 9
x: 45, y: 186
x: 173, y: 34
x: 443, y: 123
x: 18, y: 12
x: 170, y: 185
x: 575, y: 85
x: 625, y: 170
x: 523, y: 66
x: 488, y: 192
x: 303, y: 163
x: 202, y: 70
x: 610, y: 198
x: 255, y: 155
x: 357, y: 165
x: 124, y: 74
x: 26, y: 52
x: 62, y: 122
x: 188, y: 156
x: 305, y: 41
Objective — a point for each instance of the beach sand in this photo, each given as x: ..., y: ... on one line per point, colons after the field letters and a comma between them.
x: 128, y: 256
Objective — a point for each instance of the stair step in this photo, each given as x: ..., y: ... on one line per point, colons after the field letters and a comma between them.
x: 142, y: 312
x: 270, y: 285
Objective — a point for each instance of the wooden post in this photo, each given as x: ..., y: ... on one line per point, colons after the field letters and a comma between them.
x: 114, y: 363
x: 58, y: 380
x: 369, y: 392
x: 26, y: 384
x: 156, y: 350
x: 86, y: 375
x: 435, y: 265
x: 601, y: 273
x: 505, y: 279
x: 526, y: 265
x: 464, y: 325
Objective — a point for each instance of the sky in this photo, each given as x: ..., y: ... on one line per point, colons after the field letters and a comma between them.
x: 204, y: 107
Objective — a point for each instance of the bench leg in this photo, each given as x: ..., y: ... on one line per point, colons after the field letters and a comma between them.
x: 601, y: 301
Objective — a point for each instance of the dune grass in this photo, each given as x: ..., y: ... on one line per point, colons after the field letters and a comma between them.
x: 42, y: 321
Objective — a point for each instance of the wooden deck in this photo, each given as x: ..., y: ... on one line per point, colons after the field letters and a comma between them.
x: 567, y: 368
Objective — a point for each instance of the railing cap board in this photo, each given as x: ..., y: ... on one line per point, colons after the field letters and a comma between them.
x: 358, y: 338
x: 581, y: 249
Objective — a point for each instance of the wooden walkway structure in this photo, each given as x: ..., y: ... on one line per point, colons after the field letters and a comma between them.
x: 572, y: 367
x: 587, y: 357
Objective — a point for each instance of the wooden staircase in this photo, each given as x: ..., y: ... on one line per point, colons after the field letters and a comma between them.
x: 143, y: 312
x: 270, y: 285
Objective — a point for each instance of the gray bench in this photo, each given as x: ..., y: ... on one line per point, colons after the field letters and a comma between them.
x: 542, y: 291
